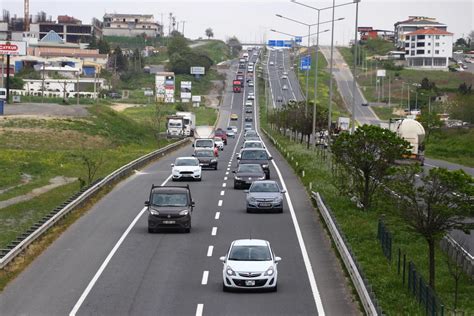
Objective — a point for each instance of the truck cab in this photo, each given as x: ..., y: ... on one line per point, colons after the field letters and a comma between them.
x: 175, y: 126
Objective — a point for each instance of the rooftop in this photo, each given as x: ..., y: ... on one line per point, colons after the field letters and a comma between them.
x: 430, y: 31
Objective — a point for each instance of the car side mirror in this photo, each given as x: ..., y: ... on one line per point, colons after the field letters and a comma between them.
x: 283, y: 191
x: 172, y: 165
x: 193, y: 203
x: 277, y: 259
x: 238, y: 158
x: 147, y: 203
x: 222, y: 259
x: 233, y: 171
x: 270, y: 158
x: 193, y: 145
x: 246, y: 191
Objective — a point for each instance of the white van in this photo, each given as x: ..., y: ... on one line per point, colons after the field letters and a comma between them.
x: 3, y: 94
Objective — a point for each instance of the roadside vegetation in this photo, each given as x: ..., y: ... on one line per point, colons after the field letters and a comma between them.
x: 454, y: 145
x: 327, y: 176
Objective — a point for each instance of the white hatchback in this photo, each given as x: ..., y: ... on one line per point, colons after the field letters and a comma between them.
x: 250, y: 264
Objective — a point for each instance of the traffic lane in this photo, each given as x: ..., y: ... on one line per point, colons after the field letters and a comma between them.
x: 435, y: 163
x: 159, y: 270
x: 55, y: 280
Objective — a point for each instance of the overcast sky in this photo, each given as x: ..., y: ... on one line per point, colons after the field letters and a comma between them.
x: 252, y: 20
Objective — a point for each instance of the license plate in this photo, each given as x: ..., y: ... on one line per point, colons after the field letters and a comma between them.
x: 264, y: 204
x: 250, y: 283
x: 169, y: 222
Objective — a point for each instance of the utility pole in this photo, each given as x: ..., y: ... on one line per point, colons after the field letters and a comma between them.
x: 42, y: 84
x: 331, y: 71
x: 354, y: 70
x: 77, y: 88
x: 184, y: 22
x: 389, y: 93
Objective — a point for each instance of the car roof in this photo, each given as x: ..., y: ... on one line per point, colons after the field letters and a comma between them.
x: 265, y: 181
x: 250, y: 242
x: 187, y: 157
x: 169, y: 189
x: 259, y: 149
x: 204, y: 149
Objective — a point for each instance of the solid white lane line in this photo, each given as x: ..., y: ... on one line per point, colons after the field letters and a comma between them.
x: 205, y: 276
x: 224, y: 185
x: 91, y: 284
x: 222, y: 192
x: 209, y: 251
x: 199, y: 309
x: 218, y: 214
x: 299, y: 235
x: 219, y: 203
x: 214, y: 231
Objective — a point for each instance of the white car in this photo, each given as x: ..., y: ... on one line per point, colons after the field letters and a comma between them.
x: 230, y: 132
x: 284, y: 77
x: 234, y: 128
x: 250, y: 264
x: 251, y: 96
x: 285, y: 73
x: 285, y: 87
x: 247, y: 126
x: 186, y: 168
x: 219, y: 143
x: 272, y: 63
x: 248, y: 103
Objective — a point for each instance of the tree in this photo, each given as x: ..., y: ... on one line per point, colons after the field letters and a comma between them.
x: 471, y: 39
x: 464, y: 89
x: 461, y: 42
x: 430, y: 121
x: 119, y: 60
x: 103, y: 46
x: 462, y: 107
x: 16, y: 83
x: 234, y: 44
x: 178, y: 44
x: 366, y: 158
x: 434, y: 204
x: 209, y: 33
x: 426, y: 84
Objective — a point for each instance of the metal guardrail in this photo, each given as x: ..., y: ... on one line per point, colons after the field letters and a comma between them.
x: 460, y: 255
x: 85, y: 196
x: 365, y: 296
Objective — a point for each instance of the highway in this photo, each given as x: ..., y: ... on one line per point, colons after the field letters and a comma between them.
x: 107, y: 263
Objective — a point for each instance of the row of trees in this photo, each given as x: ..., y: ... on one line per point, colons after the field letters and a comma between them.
x: 432, y: 203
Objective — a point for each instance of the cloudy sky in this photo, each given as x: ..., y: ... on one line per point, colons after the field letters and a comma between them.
x: 252, y: 20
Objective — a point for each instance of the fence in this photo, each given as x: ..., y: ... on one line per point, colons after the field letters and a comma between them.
x: 385, y: 238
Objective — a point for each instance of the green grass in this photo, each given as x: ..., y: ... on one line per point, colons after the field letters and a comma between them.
x: 132, y: 42
x: 360, y: 229
x: 384, y: 112
x: 454, y: 145
x: 217, y: 50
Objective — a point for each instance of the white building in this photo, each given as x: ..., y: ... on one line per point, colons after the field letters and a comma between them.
x: 130, y: 25
x: 428, y: 48
x: 413, y: 24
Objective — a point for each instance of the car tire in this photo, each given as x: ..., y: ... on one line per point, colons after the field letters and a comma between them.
x: 151, y: 230
x: 280, y: 210
x: 187, y: 230
x: 173, y: 179
x: 215, y: 167
x: 236, y: 186
x: 249, y: 210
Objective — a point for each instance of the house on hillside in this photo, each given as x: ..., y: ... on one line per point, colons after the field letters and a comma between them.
x: 412, y: 24
x: 131, y: 25
x: 429, y: 48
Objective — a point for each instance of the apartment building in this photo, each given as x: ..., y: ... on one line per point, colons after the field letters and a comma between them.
x: 70, y: 29
x: 428, y: 48
x: 130, y: 25
x: 412, y: 24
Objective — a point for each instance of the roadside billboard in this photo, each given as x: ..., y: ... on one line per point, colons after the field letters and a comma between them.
x: 186, y: 91
x: 13, y: 48
x: 198, y: 70
x: 381, y: 73
x: 164, y: 84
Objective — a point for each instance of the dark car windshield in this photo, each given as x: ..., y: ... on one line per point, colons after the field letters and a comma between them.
x: 204, y: 143
x: 253, y: 145
x: 250, y: 253
x: 186, y: 162
x: 254, y: 155
x: 264, y: 187
x: 251, y: 168
x: 170, y: 199
x: 204, y: 153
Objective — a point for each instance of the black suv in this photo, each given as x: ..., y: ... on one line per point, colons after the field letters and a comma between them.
x: 169, y: 207
x: 256, y: 155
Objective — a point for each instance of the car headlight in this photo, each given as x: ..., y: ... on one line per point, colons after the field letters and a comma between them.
x: 184, y: 212
x: 261, y: 178
x: 265, y: 166
x: 238, y: 178
x: 229, y: 271
x: 252, y: 199
x: 154, y: 212
x: 197, y: 170
x: 269, y: 272
x: 278, y: 199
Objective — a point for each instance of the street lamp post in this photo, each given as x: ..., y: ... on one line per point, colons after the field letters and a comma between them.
x: 356, y: 44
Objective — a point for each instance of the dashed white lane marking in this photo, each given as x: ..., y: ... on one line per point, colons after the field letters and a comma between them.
x: 205, y: 276
x: 210, y: 250
x: 104, y: 264
x: 228, y: 169
x: 225, y: 178
x: 199, y: 309
x: 227, y: 173
x: 222, y: 192
x: 214, y: 231
x: 219, y: 203
x: 218, y: 214
x: 224, y: 185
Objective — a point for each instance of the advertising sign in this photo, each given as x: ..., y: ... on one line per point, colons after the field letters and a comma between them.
x: 287, y: 44
x: 186, y: 91
x: 12, y: 48
x: 164, y: 82
x: 196, y: 98
x: 381, y: 73
x: 198, y: 70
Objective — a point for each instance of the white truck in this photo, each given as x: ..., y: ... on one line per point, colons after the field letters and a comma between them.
x: 343, y: 123
x: 175, y: 126
x: 189, y: 119
x: 413, y: 132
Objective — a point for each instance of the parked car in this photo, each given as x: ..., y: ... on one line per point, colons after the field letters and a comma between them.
x: 250, y: 264
x: 285, y: 87
x: 206, y: 158
x: 248, y: 118
x: 248, y: 103
x: 246, y: 174
x: 265, y: 195
x: 256, y: 155
x: 186, y: 168
x: 169, y: 207
x: 248, y: 110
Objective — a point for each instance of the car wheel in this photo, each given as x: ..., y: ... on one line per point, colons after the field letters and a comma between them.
x: 173, y: 179
x: 215, y: 167
x: 151, y: 230
x: 187, y: 230
x: 249, y: 210
x: 280, y: 210
x: 267, y: 176
x: 236, y: 186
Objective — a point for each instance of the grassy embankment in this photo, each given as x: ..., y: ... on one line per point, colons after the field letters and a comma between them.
x: 360, y: 229
x: 454, y: 145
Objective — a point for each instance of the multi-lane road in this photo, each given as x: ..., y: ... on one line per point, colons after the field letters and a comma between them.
x: 108, y: 264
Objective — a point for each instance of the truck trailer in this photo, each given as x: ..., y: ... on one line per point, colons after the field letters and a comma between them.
x: 189, y: 122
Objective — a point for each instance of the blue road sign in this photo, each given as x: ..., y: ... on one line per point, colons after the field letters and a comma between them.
x: 280, y: 43
x: 288, y: 44
x: 305, y: 63
x: 271, y: 43
x: 298, y: 39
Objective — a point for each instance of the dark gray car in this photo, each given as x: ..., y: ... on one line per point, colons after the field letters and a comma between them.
x: 256, y: 155
x: 266, y: 196
x: 169, y: 207
x: 206, y: 158
x: 246, y: 174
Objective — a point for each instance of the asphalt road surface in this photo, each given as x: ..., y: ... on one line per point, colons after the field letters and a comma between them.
x: 108, y: 264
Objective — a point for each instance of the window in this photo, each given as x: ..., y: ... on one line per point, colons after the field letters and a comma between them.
x: 407, y: 44
x: 408, y: 37
x: 429, y: 43
x: 437, y: 36
x: 420, y: 37
x: 420, y: 51
x: 412, y: 53
x: 429, y: 36
x: 436, y: 52
x: 429, y: 52
x: 437, y: 44
x: 123, y: 20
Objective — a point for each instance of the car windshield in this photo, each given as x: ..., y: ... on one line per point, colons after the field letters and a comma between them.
x: 204, y: 153
x: 264, y: 187
x: 250, y: 168
x: 250, y: 253
x: 253, y: 145
x: 254, y: 154
x: 218, y: 139
x: 248, y: 125
x: 186, y: 162
x: 229, y: 128
x: 204, y: 143
x: 169, y: 199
